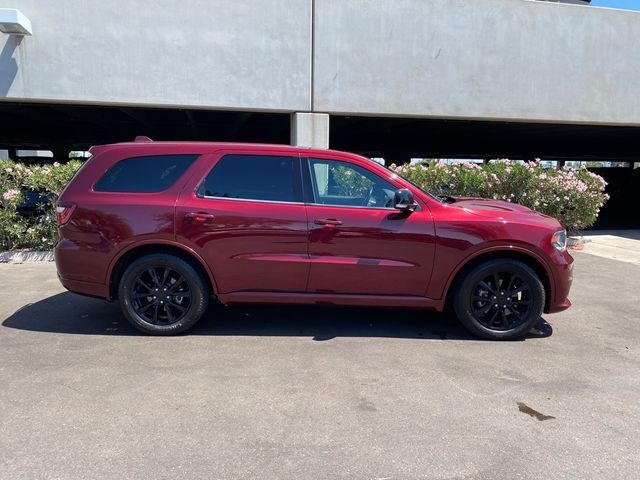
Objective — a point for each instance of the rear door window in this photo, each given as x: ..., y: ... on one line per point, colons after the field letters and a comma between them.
x: 254, y: 177
x: 148, y: 174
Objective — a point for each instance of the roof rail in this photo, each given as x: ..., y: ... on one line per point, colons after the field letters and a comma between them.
x: 142, y: 139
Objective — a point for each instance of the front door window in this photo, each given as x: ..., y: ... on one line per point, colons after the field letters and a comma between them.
x: 347, y: 185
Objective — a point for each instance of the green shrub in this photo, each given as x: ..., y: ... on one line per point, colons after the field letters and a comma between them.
x: 573, y: 196
x: 39, y: 231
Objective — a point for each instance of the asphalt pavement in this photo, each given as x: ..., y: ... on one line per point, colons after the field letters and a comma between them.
x: 318, y: 393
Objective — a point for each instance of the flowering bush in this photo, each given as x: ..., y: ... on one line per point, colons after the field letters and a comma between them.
x: 573, y: 196
x: 37, y: 231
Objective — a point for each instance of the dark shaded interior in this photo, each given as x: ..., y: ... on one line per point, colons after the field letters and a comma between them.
x: 403, y: 138
x: 63, y: 127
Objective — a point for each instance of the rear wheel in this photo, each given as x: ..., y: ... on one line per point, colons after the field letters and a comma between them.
x: 162, y: 294
x: 500, y: 299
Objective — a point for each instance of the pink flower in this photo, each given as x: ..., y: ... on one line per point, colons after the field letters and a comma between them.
x: 10, y: 194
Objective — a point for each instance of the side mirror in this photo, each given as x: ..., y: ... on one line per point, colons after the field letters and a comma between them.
x: 404, y: 200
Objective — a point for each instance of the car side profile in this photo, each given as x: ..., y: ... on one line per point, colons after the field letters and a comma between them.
x: 166, y: 228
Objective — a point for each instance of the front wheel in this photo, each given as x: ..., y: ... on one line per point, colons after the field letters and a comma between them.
x: 500, y: 299
x: 161, y: 294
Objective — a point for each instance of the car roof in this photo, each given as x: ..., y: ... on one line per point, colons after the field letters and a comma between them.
x: 207, y: 147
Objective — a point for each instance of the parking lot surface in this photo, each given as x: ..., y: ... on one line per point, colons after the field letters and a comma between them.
x: 306, y: 393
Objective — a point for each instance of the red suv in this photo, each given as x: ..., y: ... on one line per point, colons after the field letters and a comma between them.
x: 166, y: 227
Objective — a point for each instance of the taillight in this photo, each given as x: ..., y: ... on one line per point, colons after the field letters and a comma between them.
x: 64, y: 212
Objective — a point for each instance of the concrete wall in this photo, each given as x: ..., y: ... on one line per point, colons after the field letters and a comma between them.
x: 484, y: 59
x: 249, y: 54
x: 488, y: 59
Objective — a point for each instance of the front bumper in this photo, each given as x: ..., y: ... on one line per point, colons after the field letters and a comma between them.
x: 563, y: 278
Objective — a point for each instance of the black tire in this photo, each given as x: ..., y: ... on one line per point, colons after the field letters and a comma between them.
x: 511, y: 286
x: 162, y: 294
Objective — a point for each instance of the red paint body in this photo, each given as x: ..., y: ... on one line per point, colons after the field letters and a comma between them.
x: 260, y: 251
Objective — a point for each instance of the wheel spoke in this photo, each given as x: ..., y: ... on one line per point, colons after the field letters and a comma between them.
x: 178, y: 306
x: 141, y: 282
x: 512, y: 277
x: 155, y: 314
x: 154, y: 277
x: 520, y: 302
x: 505, y: 321
x: 496, y: 280
x: 493, y: 317
x: 175, y: 285
x: 478, y: 298
x: 522, y: 288
x: 482, y: 311
x: 488, y: 287
x: 516, y: 313
x: 165, y: 275
x: 139, y: 295
x: 145, y: 308
x: 169, y: 315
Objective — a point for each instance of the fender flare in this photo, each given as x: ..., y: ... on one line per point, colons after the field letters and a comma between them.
x: 520, y: 249
x: 153, y: 242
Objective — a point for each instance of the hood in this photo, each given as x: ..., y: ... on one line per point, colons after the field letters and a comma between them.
x: 502, y: 210
x: 489, y: 207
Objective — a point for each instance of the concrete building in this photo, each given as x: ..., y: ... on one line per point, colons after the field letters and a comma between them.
x: 400, y: 79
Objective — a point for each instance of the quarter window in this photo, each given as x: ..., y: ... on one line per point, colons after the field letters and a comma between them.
x: 254, y: 177
x: 344, y: 184
x: 149, y: 174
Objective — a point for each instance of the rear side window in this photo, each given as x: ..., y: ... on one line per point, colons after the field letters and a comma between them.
x: 254, y: 177
x: 149, y: 174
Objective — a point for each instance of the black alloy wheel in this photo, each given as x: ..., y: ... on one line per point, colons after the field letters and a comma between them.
x: 500, y: 299
x: 162, y: 294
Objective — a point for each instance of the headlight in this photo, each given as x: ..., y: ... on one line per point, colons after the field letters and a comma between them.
x: 559, y: 240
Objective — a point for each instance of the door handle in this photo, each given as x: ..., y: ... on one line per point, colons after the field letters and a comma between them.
x: 330, y: 222
x: 201, y: 216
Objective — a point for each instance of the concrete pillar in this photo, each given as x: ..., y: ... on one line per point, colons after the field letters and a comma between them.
x: 310, y: 130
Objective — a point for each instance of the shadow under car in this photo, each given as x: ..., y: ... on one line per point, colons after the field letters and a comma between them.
x: 74, y: 314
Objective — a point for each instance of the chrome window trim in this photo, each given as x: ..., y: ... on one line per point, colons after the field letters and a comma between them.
x: 210, y: 197
x: 362, y: 207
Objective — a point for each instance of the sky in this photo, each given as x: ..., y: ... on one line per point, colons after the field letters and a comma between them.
x: 628, y: 4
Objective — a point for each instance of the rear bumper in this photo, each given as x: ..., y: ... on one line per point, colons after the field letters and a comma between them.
x: 75, y: 269
x: 84, y: 288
